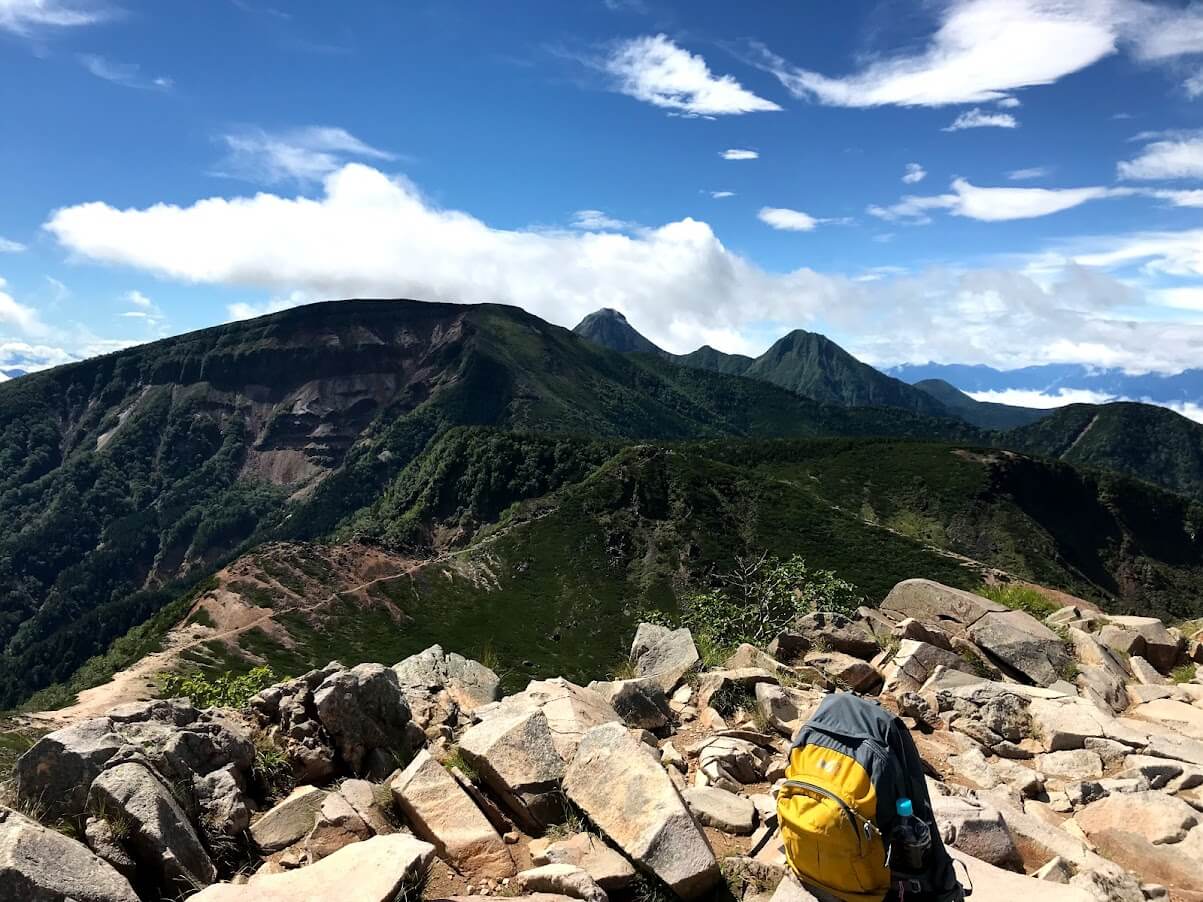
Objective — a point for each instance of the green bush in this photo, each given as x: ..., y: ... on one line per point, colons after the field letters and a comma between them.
x: 760, y: 598
x: 1020, y: 598
x: 225, y: 690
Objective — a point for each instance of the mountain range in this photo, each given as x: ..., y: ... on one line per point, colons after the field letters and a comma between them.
x: 1185, y: 387
x: 513, y: 475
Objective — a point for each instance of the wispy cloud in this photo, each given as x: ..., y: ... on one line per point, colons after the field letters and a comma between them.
x: 1180, y: 158
x: 23, y: 318
x: 10, y: 247
x: 976, y: 118
x: 303, y: 155
x: 993, y: 204
x: 25, y: 17
x: 144, y: 309
x: 787, y: 220
x: 1032, y: 172
x: 736, y: 153
x: 655, y: 70
x: 599, y: 221
x: 983, y: 50
x: 128, y: 75
x: 914, y: 174
x: 719, y: 195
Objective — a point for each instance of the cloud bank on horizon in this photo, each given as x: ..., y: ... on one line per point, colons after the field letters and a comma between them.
x: 921, y: 188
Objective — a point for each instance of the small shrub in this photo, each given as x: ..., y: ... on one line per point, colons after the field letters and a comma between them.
x: 1020, y: 598
x: 490, y: 658
x: 225, y: 690
x: 1183, y: 674
x: 624, y: 670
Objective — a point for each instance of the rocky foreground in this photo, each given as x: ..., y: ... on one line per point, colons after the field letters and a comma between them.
x: 1065, y: 762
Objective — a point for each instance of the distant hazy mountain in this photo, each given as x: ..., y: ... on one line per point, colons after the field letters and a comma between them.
x: 1186, y: 386
x: 980, y: 413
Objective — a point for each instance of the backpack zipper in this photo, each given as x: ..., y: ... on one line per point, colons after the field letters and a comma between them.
x: 847, y: 809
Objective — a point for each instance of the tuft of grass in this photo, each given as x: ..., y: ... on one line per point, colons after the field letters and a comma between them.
x: 572, y: 822
x: 271, y: 768
x: 624, y: 670
x: 649, y: 889
x: 489, y: 657
x: 1183, y: 674
x: 455, y: 758
x: 712, y: 652
x: 1019, y: 598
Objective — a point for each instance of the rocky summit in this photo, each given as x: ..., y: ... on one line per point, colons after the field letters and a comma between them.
x: 1064, y: 759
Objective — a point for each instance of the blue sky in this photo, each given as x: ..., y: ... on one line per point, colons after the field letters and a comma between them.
x: 1008, y: 182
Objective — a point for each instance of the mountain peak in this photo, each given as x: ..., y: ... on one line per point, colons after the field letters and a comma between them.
x: 609, y: 328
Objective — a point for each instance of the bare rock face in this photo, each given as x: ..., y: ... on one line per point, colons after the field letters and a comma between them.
x: 517, y: 756
x: 364, y: 711
x: 915, y: 662
x: 181, y: 743
x: 337, y: 825
x: 376, y: 870
x: 617, y: 781
x: 41, y: 865
x: 1161, y: 648
x: 287, y: 710
x: 442, y: 688
x: 976, y: 829
x: 571, y: 710
x: 1157, y: 817
x: 835, y: 632
x: 161, y: 837
x: 664, y: 655
x: 443, y: 814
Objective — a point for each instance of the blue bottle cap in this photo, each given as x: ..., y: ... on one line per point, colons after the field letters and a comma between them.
x: 905, y: 808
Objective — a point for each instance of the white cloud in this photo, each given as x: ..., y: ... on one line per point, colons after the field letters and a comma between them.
x: 1032, y: 172
x: 303, y: 155
x: 993, y: 204
x: 1009, y: 103
x: 24, y: 17
x: 736, y: 153
x: 144, y: 309
x: 984, y: 49
x: 976, y: 118
x: 914, y: 174
x: 1194, y: 85
x: 138, y: 299
x: 10, y: 247
x: 598, y: 221
x: 371, y: 236
x: 24, y: 319
x: 126, y: 74
x: 1175, y: 159
x: 1191, y: 198
x: 787, y: 220
x: 245, y: 310
x: 719, y: 195
x: 20, y: 355
x: 1022, y: 397
x: 655, y: 70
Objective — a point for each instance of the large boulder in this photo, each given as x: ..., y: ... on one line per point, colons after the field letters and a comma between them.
x: 516, y: 755
x: 571, y: 710
x: 640, y: 703
x: 441, y: 813
x: 846, y: 671
x: 608, y: 868
x: 664, y: 655
x: 786, y: 709
x: 286, y: 710
x: 468, y: 683
x: 914, y: 663
x: 975, y: 828
x: 160, y: 836
x: 364, y: 711
x: 1022, y: 645
x: 993, y: 884
x: 721, y: 809
x: 1156, y: 816
x: 931, y: 602
x: 728, y: 690
x: 1159, y: 646
x: 1178, y: 716
x: 337, y: 825
x: 376, y: 870
x: 618, y: 782
x: 290, y: 820
x: 824, y: 631
x: 41, y: 865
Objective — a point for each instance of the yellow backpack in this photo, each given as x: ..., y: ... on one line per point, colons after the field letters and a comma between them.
x: 848, y: 767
